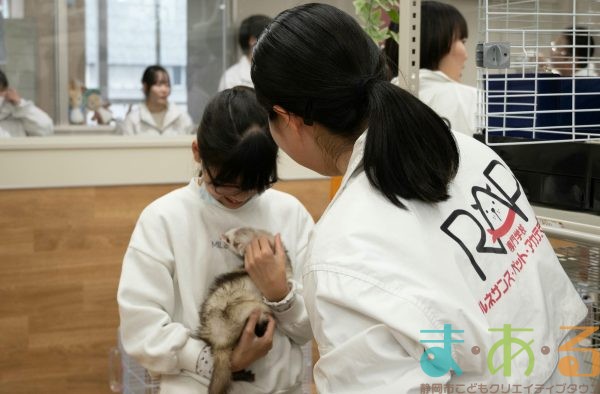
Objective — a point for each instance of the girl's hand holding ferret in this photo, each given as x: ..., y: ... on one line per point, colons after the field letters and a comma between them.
x: 250, y: 347
x: 267, y: 268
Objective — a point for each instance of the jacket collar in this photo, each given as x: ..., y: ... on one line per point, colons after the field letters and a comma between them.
x: 354, y: 164
x: 171, y: 116
x: 431, y: 75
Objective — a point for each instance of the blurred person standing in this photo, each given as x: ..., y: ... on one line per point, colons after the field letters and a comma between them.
x: 156, y: 115
x: 444, y: 33
x: 239, y: 73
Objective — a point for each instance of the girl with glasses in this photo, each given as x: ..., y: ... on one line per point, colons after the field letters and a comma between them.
x: 176, y: 252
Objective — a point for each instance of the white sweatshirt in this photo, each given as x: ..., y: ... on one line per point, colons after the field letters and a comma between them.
x: 173, y: 257
x: 24, y: 120
x: 377, y: 276
x: 141, y: 122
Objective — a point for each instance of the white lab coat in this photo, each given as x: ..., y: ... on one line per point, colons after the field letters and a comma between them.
x: 24, y: 120
x: 449, y: 99
x: 140, y: 122
x: 237, y: 75
x: 377, y: 275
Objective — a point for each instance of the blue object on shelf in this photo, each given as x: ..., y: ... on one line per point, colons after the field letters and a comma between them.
x: 533, y: 106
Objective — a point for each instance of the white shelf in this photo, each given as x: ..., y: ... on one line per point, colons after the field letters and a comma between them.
x: 571, y: 225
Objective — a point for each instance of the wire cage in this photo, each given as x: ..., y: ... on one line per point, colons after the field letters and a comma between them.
x: 538, y: 70
x: 582, y: 264
x: 128, y: 377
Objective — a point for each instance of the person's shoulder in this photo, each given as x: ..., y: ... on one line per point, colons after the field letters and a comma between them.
x: 135, y: 112
x: 280, y: 201
x: 466, y: 89
x: 471, y: 149
x: 280, y: 197
x: 184, y: 115
x: 232, y: 71
x: 173, y: 203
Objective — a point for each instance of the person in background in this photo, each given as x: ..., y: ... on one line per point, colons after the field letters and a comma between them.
x: 443, y: 56
x: 572, y: 52
x: 239, y: 73
x: 156, y: 115
x: 429, y: 255
x: 176, y: 252
x: 20, y: 117
x: 390, y: 50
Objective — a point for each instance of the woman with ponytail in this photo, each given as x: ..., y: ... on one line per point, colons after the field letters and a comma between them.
x: 429, y: 239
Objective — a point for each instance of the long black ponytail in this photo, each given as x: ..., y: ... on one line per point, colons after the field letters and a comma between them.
x: 409, y: 152
x: 316, y: 62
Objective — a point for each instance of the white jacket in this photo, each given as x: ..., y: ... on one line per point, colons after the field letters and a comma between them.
x: 449, y: 99
x: 140, y: 122
x: 237, y: 75
x: 173, y: 257
x: 24, y: 120
x: 377, y: 275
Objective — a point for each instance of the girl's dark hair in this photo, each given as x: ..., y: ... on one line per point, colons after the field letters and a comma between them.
x: 584, y: 44
x: 252, y: 26
x: 3, y: 80
x: 315, y: 61
x: 234, y: 141
x: 441, y: 25
x: 151, y: 77
x: 390, y: 49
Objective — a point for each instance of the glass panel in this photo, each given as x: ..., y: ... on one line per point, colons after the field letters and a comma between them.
x: 58, y: 53
x: 26, y: 39
x: 111, y: 42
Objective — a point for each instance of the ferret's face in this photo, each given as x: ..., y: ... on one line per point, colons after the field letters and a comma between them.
x: 237, y: 239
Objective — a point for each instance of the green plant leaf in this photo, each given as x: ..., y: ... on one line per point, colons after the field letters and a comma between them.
x: 369, y: 13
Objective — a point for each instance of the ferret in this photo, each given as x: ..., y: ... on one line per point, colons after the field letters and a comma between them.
x: 230, y: 301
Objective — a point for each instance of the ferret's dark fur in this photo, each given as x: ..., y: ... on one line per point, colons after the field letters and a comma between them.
x: 230, y: 301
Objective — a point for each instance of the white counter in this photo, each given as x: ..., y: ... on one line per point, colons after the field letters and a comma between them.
x: 103, y: 160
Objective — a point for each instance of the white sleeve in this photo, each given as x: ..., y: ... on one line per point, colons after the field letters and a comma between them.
x: 146, y: 302
x: 293, y: 321
x: 35, y: 121
x: 368, y: 337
